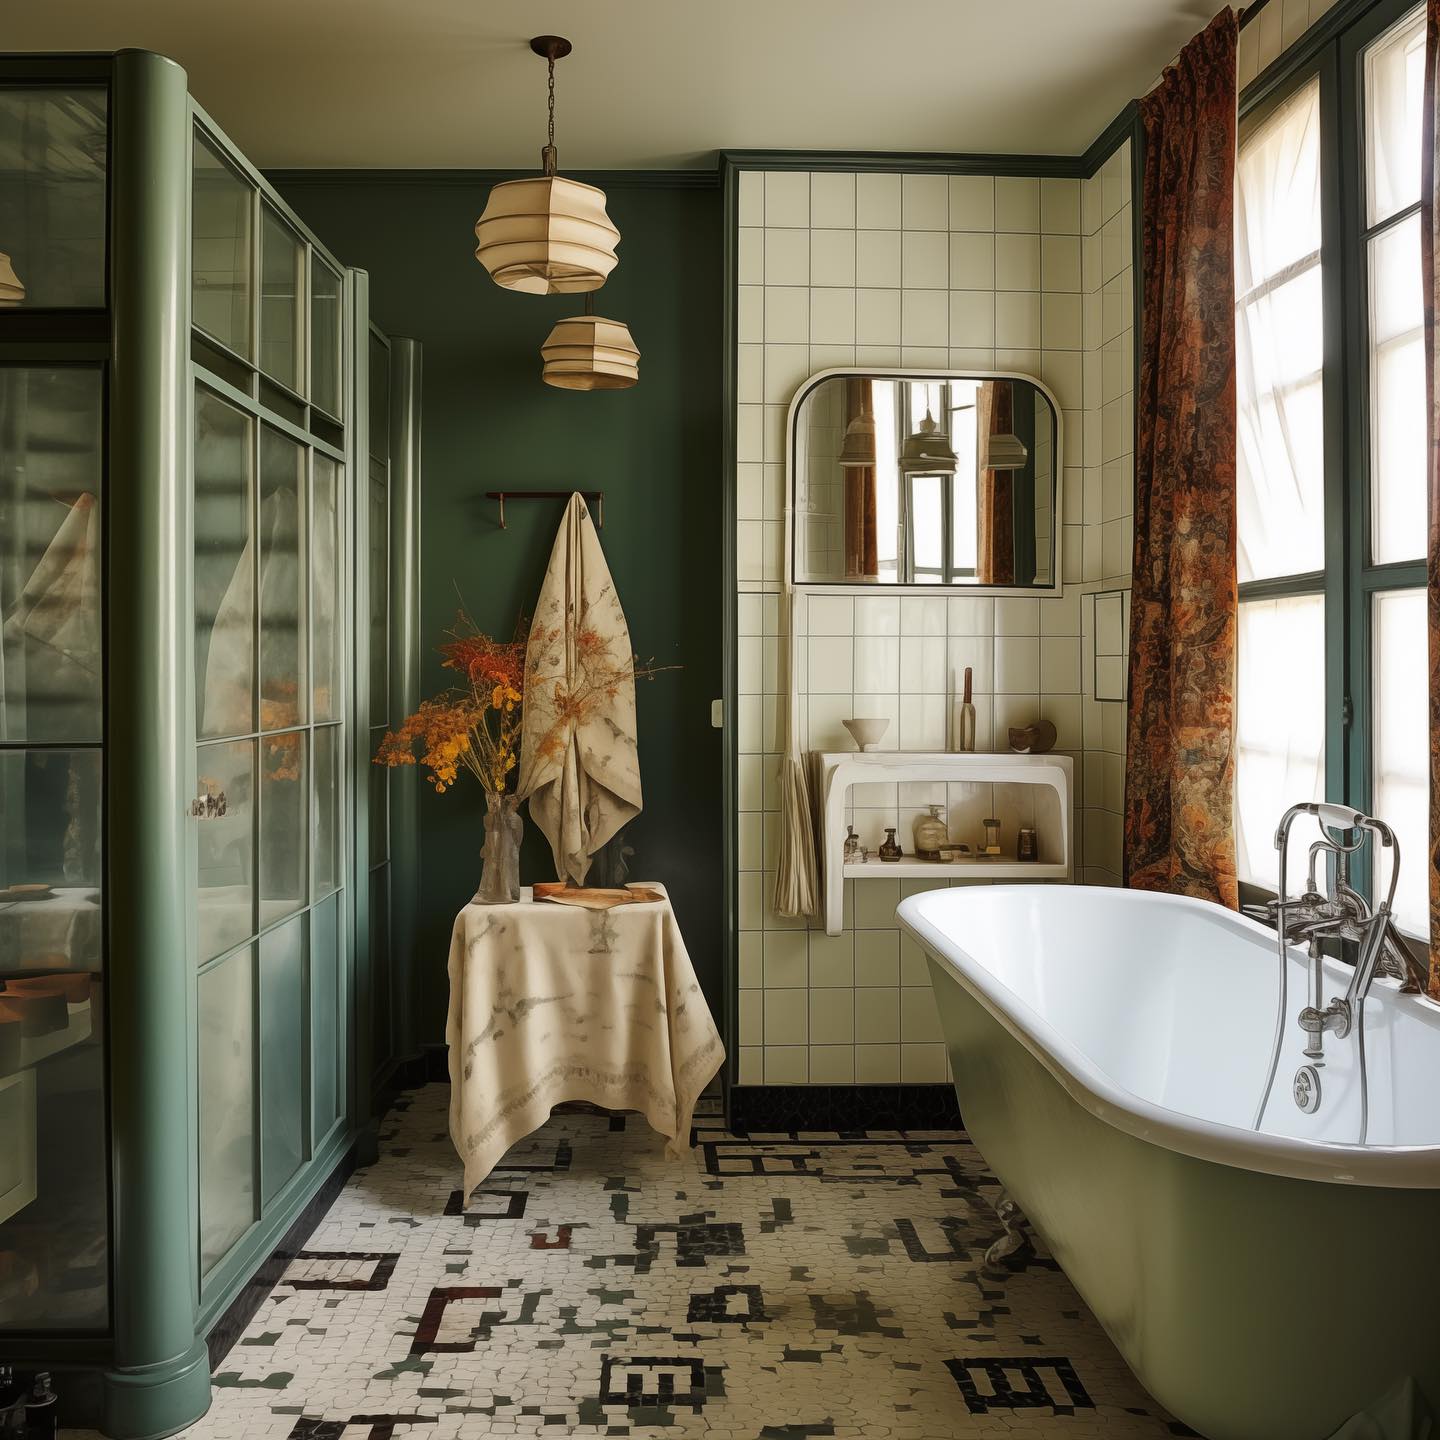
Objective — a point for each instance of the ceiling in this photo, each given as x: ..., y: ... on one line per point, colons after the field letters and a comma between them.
x: 652, y: 83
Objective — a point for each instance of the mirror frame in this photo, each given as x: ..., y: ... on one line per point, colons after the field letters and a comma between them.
x: 850, y: 587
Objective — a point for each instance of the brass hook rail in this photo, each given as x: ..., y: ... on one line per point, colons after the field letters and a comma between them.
x: 596, y: 497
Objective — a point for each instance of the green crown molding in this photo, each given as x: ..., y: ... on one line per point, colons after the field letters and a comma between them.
x: 699, y: 179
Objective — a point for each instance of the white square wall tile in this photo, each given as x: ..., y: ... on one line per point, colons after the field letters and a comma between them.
x: 787, y: 314
x: 1017, y: 203
x: 1017, y: 615
x: 1060, y: 206
x: 832, y: 1017
x: 786, y: 1065
x: 1060, y: 262
x: 787, y: 257
x: 972, y: 261
x: 877, y: 615
x: 925, y: 202
x: 1017, y: 321
x: 877, y: 258
x: 831, y: 615
x: 925, y: 260
x: 832, y: 1064
x: 924, y: 318
x: 1060, y: 325
x: 877, y: 962
x: 832, y: 201
x: 1060, y: 664
x: 1017, y: 262
x: 752, y: 197
x: 922, y: 615
x: 972, y: 202
x: 877, y: 317
x: 877, y: 202
x: 787, y: 199
x: 750, y: 257
x: 832, y: 257
x: 832, y: 317
x: 877, y: 1064
x: 877, y: 1010
x: 1017, y: 664
x: 831, y: 664
x: 972, y: 320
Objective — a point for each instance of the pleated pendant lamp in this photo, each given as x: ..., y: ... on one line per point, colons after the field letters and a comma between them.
x: 12, y: 292
x: 590, y: 352
x: 546, y: 235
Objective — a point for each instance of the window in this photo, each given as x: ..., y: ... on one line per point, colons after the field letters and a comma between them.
x: 1331, y: 510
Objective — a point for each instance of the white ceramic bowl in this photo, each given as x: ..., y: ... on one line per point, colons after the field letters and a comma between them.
x: 866, y: 733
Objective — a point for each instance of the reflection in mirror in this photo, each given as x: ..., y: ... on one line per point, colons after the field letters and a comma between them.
x: 913, y: 479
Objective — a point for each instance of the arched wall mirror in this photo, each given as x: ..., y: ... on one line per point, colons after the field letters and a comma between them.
x: 924, y: 479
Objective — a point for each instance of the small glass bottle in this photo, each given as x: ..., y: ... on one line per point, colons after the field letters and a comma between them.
x: 992, y: 837
x: 931, y: 833
x: 852, y: 845
x: 890, y: 846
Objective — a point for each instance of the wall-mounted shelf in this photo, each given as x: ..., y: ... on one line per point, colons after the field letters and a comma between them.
x: 837, y: 772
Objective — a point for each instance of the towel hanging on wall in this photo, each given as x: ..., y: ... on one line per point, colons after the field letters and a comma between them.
x: 796, y: 873
x: 579, y: 766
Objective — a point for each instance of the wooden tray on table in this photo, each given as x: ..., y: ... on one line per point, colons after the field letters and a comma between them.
x: 590, y: 897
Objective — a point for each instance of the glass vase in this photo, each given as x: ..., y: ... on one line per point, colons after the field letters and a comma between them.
x: 500, y: 857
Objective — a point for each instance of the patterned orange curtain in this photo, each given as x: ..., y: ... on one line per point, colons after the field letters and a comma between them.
x: 862, y: 552
x: 1427, y: 259
x: 995, y: 523
x: 1180, y: 767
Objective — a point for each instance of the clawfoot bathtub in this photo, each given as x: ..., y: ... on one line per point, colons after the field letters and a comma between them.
x: 1110, y: 1052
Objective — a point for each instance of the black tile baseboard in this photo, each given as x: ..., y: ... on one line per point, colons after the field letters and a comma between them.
x: 843, y: 1107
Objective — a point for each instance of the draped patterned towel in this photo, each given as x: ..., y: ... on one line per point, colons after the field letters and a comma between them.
x: 549, y: 1003
x: 1180, y: 764
x: 1428, y: 238
x: 579, y: 765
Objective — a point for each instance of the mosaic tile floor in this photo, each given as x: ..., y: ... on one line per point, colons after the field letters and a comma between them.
x: 775, y: 1286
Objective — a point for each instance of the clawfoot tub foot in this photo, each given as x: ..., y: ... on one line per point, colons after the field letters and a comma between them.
x: 1014, y: 1240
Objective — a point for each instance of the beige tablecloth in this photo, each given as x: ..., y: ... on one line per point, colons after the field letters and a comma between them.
x: 550, y: 1003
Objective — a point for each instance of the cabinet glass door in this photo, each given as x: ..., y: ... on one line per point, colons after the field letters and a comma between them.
x: 54, y: 1186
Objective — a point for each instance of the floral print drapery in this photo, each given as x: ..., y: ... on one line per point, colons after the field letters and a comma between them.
x: 1428, y: 238
x: 1179, y: 783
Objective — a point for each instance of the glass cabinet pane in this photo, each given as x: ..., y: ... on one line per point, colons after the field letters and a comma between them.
x: 282, y: 287
x: 223, y: 204
x: 379, y: 593
x: 224, y: 568
x: 226, y: 845
x: 325, y: 332
x: 53, y: 156
x: 54, y: 1221
x: 284, y: 840
x: 1402, y: 749
x: 227, y: 1105
x: 284, y: 683
x: 51, y: 462
x: 283, y: 1080
x: 328, y: 849
x: 326, y: 552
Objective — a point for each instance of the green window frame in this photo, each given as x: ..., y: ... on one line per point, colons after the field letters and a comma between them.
x: 1350, y: 581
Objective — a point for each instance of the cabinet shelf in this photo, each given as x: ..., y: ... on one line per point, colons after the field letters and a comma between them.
x: 836, y: 773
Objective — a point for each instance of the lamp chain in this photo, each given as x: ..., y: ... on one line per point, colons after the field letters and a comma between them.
x: 552, y: 100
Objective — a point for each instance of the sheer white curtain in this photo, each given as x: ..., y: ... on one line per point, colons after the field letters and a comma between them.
x: 1280, y: 711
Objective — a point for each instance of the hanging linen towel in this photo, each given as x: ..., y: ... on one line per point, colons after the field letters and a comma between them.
x: 55, y: 619
x: 796, y: 879
x: 579, y: 766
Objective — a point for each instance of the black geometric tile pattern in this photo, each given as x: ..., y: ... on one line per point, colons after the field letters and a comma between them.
x: 774, y: 1285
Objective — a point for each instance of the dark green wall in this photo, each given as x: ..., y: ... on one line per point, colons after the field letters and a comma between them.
x: 490, y: 423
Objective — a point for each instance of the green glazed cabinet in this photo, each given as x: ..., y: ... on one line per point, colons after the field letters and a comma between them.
x: 209, y: 472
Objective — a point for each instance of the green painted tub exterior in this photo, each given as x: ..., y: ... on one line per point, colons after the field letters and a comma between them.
x: 1251, y: 1306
